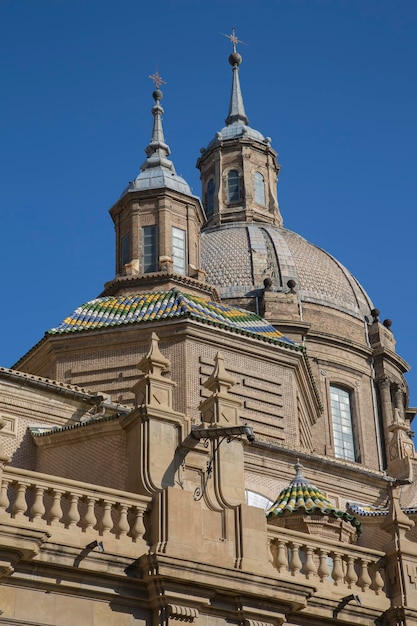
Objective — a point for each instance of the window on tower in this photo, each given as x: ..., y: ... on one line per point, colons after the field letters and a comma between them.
x: 210, y: 197
x: 233, y: 186
x: 150, y: 249
x: 178, y: 250
x: 343, y: 435
x: 259, y: 188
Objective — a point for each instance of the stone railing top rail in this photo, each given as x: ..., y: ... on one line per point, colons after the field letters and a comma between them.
x: 58, y: 483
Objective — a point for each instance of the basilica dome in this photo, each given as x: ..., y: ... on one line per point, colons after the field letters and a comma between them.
x: 238, y: 257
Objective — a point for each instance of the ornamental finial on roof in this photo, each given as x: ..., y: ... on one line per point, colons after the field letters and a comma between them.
x: 234, y: 39
x: 299, y: 477
x: 156, y: 78
x: 236, y: 107
x: 157, y: 151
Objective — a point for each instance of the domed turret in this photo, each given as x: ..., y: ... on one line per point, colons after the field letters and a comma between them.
x: 239, y: 169
x: 157, y: 220
x: 303, y: 507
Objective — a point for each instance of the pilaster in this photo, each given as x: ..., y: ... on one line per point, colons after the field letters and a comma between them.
x: 153, y: 430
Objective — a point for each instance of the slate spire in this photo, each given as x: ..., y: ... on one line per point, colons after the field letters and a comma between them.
x: 157, y: 151
x: 236, y: 106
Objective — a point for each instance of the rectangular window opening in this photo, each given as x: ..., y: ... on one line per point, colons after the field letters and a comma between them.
x: 178, y: 250
x: 150, y: 249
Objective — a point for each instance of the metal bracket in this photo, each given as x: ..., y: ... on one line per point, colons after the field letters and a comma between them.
x: 218, y: 435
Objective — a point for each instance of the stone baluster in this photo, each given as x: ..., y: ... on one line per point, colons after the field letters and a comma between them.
x: 351, y: 576
x: 364, y: 579
x: 123, y: 525
x: 106, y: 523
x: 73, y: 516
x: 323, y: 569
x: 310, y: 568
x: 337, y: 571
x: 377, y: 580
x: 37, y: 510
x: 272, y: 552
x: 20, y: 505
x: 90, y: 519
x: 295, y: 561
x: 281, y: 562
x: 138, y: 527
x: 55, y: 512
x: 4, y: 498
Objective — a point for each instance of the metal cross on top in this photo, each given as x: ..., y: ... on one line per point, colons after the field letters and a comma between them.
x: 157, y: 79
x: 233, y: 39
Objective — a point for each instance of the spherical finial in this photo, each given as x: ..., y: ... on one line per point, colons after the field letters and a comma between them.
x: 268, y: 283
x: 157, y: 94
x: 375, y: 314
x: 291, y: 285
x: 387, y: 323
x: 235, y: 59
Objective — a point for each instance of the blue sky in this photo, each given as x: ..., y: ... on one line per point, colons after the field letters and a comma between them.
x: 332, y: 82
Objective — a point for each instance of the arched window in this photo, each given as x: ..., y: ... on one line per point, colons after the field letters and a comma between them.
x: 341, y: 411
x: 233, y: 186
x: 259, y: 188
x: 210, y: 197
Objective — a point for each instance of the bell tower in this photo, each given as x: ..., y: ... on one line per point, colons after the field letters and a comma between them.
x: 239, y: 168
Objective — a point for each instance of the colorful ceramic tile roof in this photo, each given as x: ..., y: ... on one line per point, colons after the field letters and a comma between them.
x: 301, y: 495
x: 147, y: 307
x: 367, y: 510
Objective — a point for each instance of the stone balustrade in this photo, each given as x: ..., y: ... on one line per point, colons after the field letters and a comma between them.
x: 54, y: 503
x: 326, y: 562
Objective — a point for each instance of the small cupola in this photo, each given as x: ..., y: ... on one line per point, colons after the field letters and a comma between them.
x: 239, y: 168
x: 157, y: 219
x: 303, y: 507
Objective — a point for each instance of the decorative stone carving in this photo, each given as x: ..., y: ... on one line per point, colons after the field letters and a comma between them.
x: 400, y: 448
x: 181, y: 613
x: 220, y: 408
x: 154, y: 389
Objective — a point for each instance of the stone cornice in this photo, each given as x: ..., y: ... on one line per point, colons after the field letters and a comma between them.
x: 144, y: 282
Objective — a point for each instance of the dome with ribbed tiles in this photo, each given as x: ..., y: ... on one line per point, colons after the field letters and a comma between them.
x: 302, y: 498
x: 238, y: 257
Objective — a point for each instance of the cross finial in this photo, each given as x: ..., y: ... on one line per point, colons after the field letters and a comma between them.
x: 233, y: 39
x: 157, y: 79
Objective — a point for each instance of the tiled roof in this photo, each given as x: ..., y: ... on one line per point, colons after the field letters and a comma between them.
x: 24, y: 378
x: 147, y: 307
x: 51, y: 430
x: 367, y: 510
x: 301, y: 495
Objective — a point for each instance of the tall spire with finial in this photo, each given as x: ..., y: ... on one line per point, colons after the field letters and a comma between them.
x: 236, y: 107
x: 158, y: 170
x: 157, y: 151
